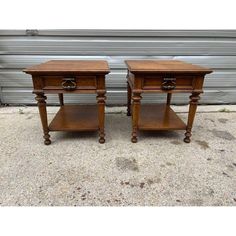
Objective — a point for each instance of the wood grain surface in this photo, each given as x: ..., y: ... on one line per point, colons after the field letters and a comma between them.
x: 169, y: 66
x: 70, y: 66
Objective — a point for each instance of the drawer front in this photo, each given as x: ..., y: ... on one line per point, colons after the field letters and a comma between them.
x: 69, y: 83
x: 167, y: 83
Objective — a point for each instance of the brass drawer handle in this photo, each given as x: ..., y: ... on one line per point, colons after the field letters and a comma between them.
x: 168, y: 84
x: 68, y: 84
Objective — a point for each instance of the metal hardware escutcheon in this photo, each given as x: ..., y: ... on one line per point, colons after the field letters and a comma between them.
x: 168, y: 83
x: 68, y: 84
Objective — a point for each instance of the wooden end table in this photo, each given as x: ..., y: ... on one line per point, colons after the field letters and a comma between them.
x: 71, y: 77
x: 167, y: 76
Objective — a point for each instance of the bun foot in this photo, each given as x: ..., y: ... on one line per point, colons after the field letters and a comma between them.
x: 134, y: 140
x: 101, y: 140
x: 47, y: 142
x: 187, y: 136
x: 187, y: 140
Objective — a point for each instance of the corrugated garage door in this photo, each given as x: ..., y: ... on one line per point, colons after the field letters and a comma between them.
x: 20, y: 49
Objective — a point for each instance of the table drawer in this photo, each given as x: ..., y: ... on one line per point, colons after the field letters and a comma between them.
x: 69, y: 83
x: 167, y: 83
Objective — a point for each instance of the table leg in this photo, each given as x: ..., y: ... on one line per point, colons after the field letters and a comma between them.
x: 128, y: 99
x: 169, y: 95
x: 61, y: 100
x: 41, y: 99
x: 194, y: 98
x: 101, y: 115
x: 136, y: 97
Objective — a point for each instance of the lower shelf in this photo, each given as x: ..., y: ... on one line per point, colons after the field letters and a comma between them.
x: 75, y: 118
x: 159, y: 117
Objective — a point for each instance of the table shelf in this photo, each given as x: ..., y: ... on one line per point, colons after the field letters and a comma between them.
x: 159, y: 117
x: 75, y: 118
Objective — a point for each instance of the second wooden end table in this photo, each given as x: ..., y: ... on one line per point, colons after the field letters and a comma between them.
x: 170, y: 76
x: 71, y: 77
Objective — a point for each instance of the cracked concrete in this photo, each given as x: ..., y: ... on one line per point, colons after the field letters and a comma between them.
x: 160, y: 170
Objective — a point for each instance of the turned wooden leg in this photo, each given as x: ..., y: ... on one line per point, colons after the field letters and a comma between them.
x: 168, y: 100
x: 101, y: 115
x: 136, y: 98
x: 61, y: 100
x: 194, y: 98
x: 41, y: 99
x: 128, y: 99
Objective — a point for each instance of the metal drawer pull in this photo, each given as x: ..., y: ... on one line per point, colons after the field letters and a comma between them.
x: 68, y: 84
x: 168, y: 84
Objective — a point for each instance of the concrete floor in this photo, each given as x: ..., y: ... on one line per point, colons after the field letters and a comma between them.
x: 160, y: 170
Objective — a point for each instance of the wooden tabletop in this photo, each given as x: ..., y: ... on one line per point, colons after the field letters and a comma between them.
x: 70, y: 66
x: 164, y: 66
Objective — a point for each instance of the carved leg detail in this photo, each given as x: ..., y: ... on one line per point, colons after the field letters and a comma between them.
x: 128, y: 99
x: 134, y: 138
x: 194, y: 98
x: 61, y: 100
x: 187, y: 136
x: 101, y: 115
x: 47, y: 140
x: 135, y: 116
x: 41, y: 99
